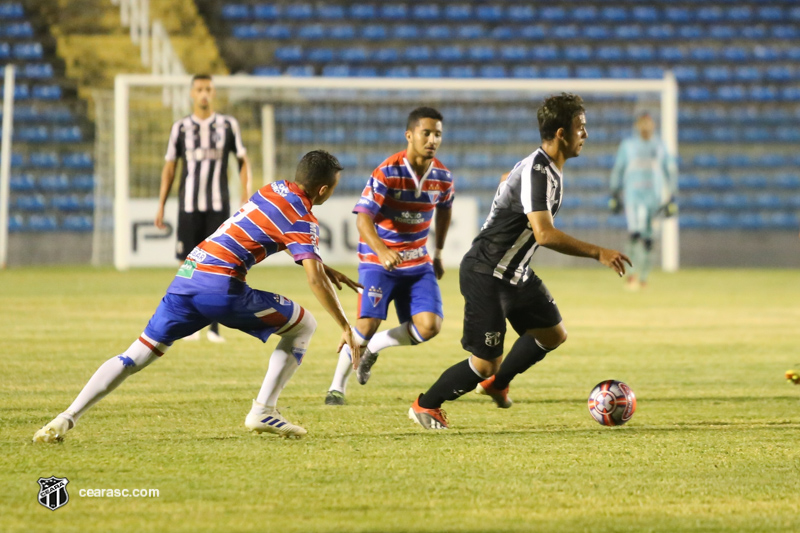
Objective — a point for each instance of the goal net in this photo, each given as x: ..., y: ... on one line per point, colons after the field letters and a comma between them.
x: 489, y: 125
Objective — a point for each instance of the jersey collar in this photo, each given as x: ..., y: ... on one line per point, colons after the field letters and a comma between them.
x: 417, y: 181
x: 300, y: 194
x: 552, y: 165
x: 202, y: 122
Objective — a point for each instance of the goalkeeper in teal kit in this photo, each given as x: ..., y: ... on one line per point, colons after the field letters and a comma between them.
x: 643, y: 176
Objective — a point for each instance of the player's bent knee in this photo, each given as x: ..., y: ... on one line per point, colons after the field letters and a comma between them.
x: 141, y: 353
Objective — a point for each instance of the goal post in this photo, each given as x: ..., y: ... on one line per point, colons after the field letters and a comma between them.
x: 488, y: 122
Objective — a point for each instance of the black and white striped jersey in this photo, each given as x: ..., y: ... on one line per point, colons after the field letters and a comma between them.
x: 204, y: 146
x: 505, y: 245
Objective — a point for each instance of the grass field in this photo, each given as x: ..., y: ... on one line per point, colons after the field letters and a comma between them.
x: 714, y: 445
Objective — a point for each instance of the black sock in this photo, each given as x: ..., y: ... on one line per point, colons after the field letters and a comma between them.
x: 525, y: 353
x: 457, y: 380
x: 214, y: 327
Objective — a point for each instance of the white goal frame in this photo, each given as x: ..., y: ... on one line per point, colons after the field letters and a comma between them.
x: 667, y: 87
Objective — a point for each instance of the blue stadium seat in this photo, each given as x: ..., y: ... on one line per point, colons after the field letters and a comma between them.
x: 330, y: 12
x: 660, y: 32
x: 762, y: 93
x: 735, y: 200
x: 429, y: 71
x: 589, y: 72
x: 503, y: 33
x: 481, y: 53
x: 385, y: 55
x: 37, y: 70
x: 772, y: 160
x: 738, y: 160
x: 766, y: 53
x: 787, y: 221
x: 701, y: 201
x: 438, y: 32
x: 790, y: 93
x: 556, y: 71
x: 544, y: 53
x: 363, y: 11
x: 80, y: 160
x: 731, y: 93
x: 425, y: 12
x: 609, y: 53
x: 678, y: 14
x: 27, y: 51
x: 740, y: 14
x: 406, y: 32
x: 43, y: 223
x: 342, y: 32
x: 578, y: 53
x: 771, y: 13
x: 289, y: 54
x: 83, y: 182
x: 374, y: 32
x: 30, y: 202
x: 705, y: 161
x: 418, y: 53
x: 614, y: 14
x: 66, y: 202
x: 621, y: 72
x: 720, y: 220
x: 628, y: 32
x: 736, y: 54
x: 750, y: 221
x: 513, y: 53
x: 32, y: 134
x: 470, y: 32
x: 18, y: 30
x: 45, y: 92
x: 672, y: 54
x: 354, y: 54
x: 17, y: 160
x: 398, y: 72
x: 266, y: 12
x: 651, y: 72
x: 640, y: 53
x: 691, y: 134
x: 461, y: 71
x: 525, y: 71
x: 710, y: 14
x: 781, y: 73
x: 489, y: 13
x: 717, y: 74
x: 533, y: 32
x: 754, y: 181
x: 5, y: 52
x: 320, y: 55
x: 520, y: 13
x: 794, y: 14
x: 493, y: 71
x: 596, y: 32
x: 22, y: 182
x: 788, y: 134
x: 552, y: 14
x: 67, y: 134
x: 788, y: 181
x: 722, y: 32
x: 246, y: 32
x: 688, y: 182
x: 691, y: 221
x: 757, y: 134
x: 267, y: 70
x: 78, y: 223
x: 703, y: 53
x: 235, y: 12
x: 648, y: 14
x: 458, y: 12
x: 477, y: 160
x: 585, y: 14
x: 753, y: 33
x: 16, y: 223
x: 747, y: 73
x: 394, y: 12
x: 311, y: 32
x: 768, y: 200
x: 690, y: 32
x: 299, y: 71
x: 565, y: 32
x: 720, y: 182
x: 11, y: 10
x: 43, y: 160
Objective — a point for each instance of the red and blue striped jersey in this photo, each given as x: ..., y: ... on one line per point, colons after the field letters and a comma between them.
x: 402, y: 206
x: 277, y: 217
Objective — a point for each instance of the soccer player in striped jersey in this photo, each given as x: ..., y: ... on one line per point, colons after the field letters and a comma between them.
x: 496, y: 279
x: 403, y: 195
x: 210, y: 286
x: 203, y: 141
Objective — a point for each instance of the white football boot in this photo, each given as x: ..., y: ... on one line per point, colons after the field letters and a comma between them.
x: 261, y: 419
x: 55, y: 430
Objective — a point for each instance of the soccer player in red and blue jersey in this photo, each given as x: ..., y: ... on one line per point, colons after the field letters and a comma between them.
x: 402, y: 197
x: 210, y: 286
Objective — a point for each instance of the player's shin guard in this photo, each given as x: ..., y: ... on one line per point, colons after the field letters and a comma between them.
x: 452, y: 384
x: 286, y: 359
x: 114, y: 371
x: 525, y: 353
x: 344, y: 367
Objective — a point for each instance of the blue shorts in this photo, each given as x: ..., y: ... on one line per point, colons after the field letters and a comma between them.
x: 411, y: 293
x: 257, y: 313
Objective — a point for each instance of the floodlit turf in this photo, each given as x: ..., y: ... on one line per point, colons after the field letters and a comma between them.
x: 713, y: 446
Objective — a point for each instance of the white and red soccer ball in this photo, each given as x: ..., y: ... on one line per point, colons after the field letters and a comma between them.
x: 612, y: 403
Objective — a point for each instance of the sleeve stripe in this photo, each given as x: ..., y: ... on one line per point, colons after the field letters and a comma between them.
x: 525, y: 188
x: 237, y: 136
x: 172, y: 146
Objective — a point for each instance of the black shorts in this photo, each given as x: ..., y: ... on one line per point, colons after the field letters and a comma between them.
x: 193, y: 228
x: 489, y: 301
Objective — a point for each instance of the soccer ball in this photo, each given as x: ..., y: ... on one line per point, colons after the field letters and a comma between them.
x: 612, y: 403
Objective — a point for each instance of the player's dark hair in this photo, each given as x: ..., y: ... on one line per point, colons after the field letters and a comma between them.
x: 422, y: 112
x: 557, y: 112
x: 200, y: 77
x: 316, y: 169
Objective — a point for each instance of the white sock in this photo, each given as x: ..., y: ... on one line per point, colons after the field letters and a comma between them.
x: 113, y: 372
x: 285, y: 360
x: 344, y: 367
x: 405, y: 334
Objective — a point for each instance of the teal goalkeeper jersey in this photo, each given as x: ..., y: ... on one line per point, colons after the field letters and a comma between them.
x: 643, y: 170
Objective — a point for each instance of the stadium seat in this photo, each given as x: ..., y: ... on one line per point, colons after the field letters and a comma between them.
x: 788, y: 181
x: 513, y: 53
x: 320, y: 55
x: 762, y: 93
x: 458, y: 12
x: 32, y: 134
x: 556, y: 71
x: 406, y: 32
x: 578, y: 53
x: 461, y: 71
x: 266, y: 12
x: 705, y: 161
x: 628, y: 32
x: 246, y: 32
x: 688, y: 182
x: 691, y: 221
x: 753, y: 33
x: 766, y: 53
x: 788, y: 134
x: 398, y: 72
x: 79, y: 223
x: 731, y: 93
x: 770, y: 13
x: 589, y: 72
x: 22, y: 183
x: 640, y: 53
x: 425, y: 12
x: 672, y: 54
x: 342, y: 32
x: 781, y: 73
x: 470, y: 32
x: 45, y: 92
x: 267, y: 70
x: 417, y: 53
x: 374, y: 32
x: 565, y: 32
x: 703, y: 53
x: 298, y: 11
x: 17, y: 160
x: 79, y: 160
x: 429, y: 71
x: 235, y: 12
x: 648, y: 14
x: 621, y: 72
x: 27, y: 51
x: 5, y: 51
x: 738, y: 160
x: 596, y: 32
x: 354, y: 54
x: 614, y: 14
x: 520, y: 13
x: 300, y: 71
x: 736, y: 54
x: 489, y: 13
x: 717, y: 74
x: 37, y: 70
x: 363, y: 11
x: 719, y: 182
x: 337, y: 71
x: 67, y: 134
x: 18, y: 30
x: 42, y: 223
x: 609, y: 53
x: 533, y: 32
x: 438, y: 32
x: 690, y: 32
x: 790, y: 94
x: 503, y: 33
x: 43, y: 160
x: 11, y: 10
x: 83, y: 182
x: 701, y: 201
x: 289, y: 54
x: 493, y: 71
x: 552, y: 14
x: 311, y: 32
x: 330, y: 12
x: 385, y: 55
x: 747, y: 73
x: 544, y: 53
x: 67, y: 202
x: 651, y: 72
x: 740, y: 14
x: 660, y: 32
x: 521, y: 71
x: 30, y: 202
x: 722, y: 32
x: 754, y: 181
x: 710, y: 14
x: 16, y: 223
x: 481, y: 53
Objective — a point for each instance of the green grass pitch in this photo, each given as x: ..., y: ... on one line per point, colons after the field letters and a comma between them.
x: 713, y: 446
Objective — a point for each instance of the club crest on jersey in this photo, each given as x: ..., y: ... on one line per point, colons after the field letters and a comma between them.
x: 493, y: 338
x: 375, y: 295
x: 53, y: 492
x: 282, y: 300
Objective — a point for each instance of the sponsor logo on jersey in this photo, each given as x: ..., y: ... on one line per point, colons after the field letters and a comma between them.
x: 281, y: 189
x: 375, y: 295
x: 409, y: 217
x: 187, y: 269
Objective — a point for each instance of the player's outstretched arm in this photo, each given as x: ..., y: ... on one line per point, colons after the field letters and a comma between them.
x: 323, y: 289
x: 337, y: 278
x: 167, y: 177
x: 366, y: 228
x: 548, y: 236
